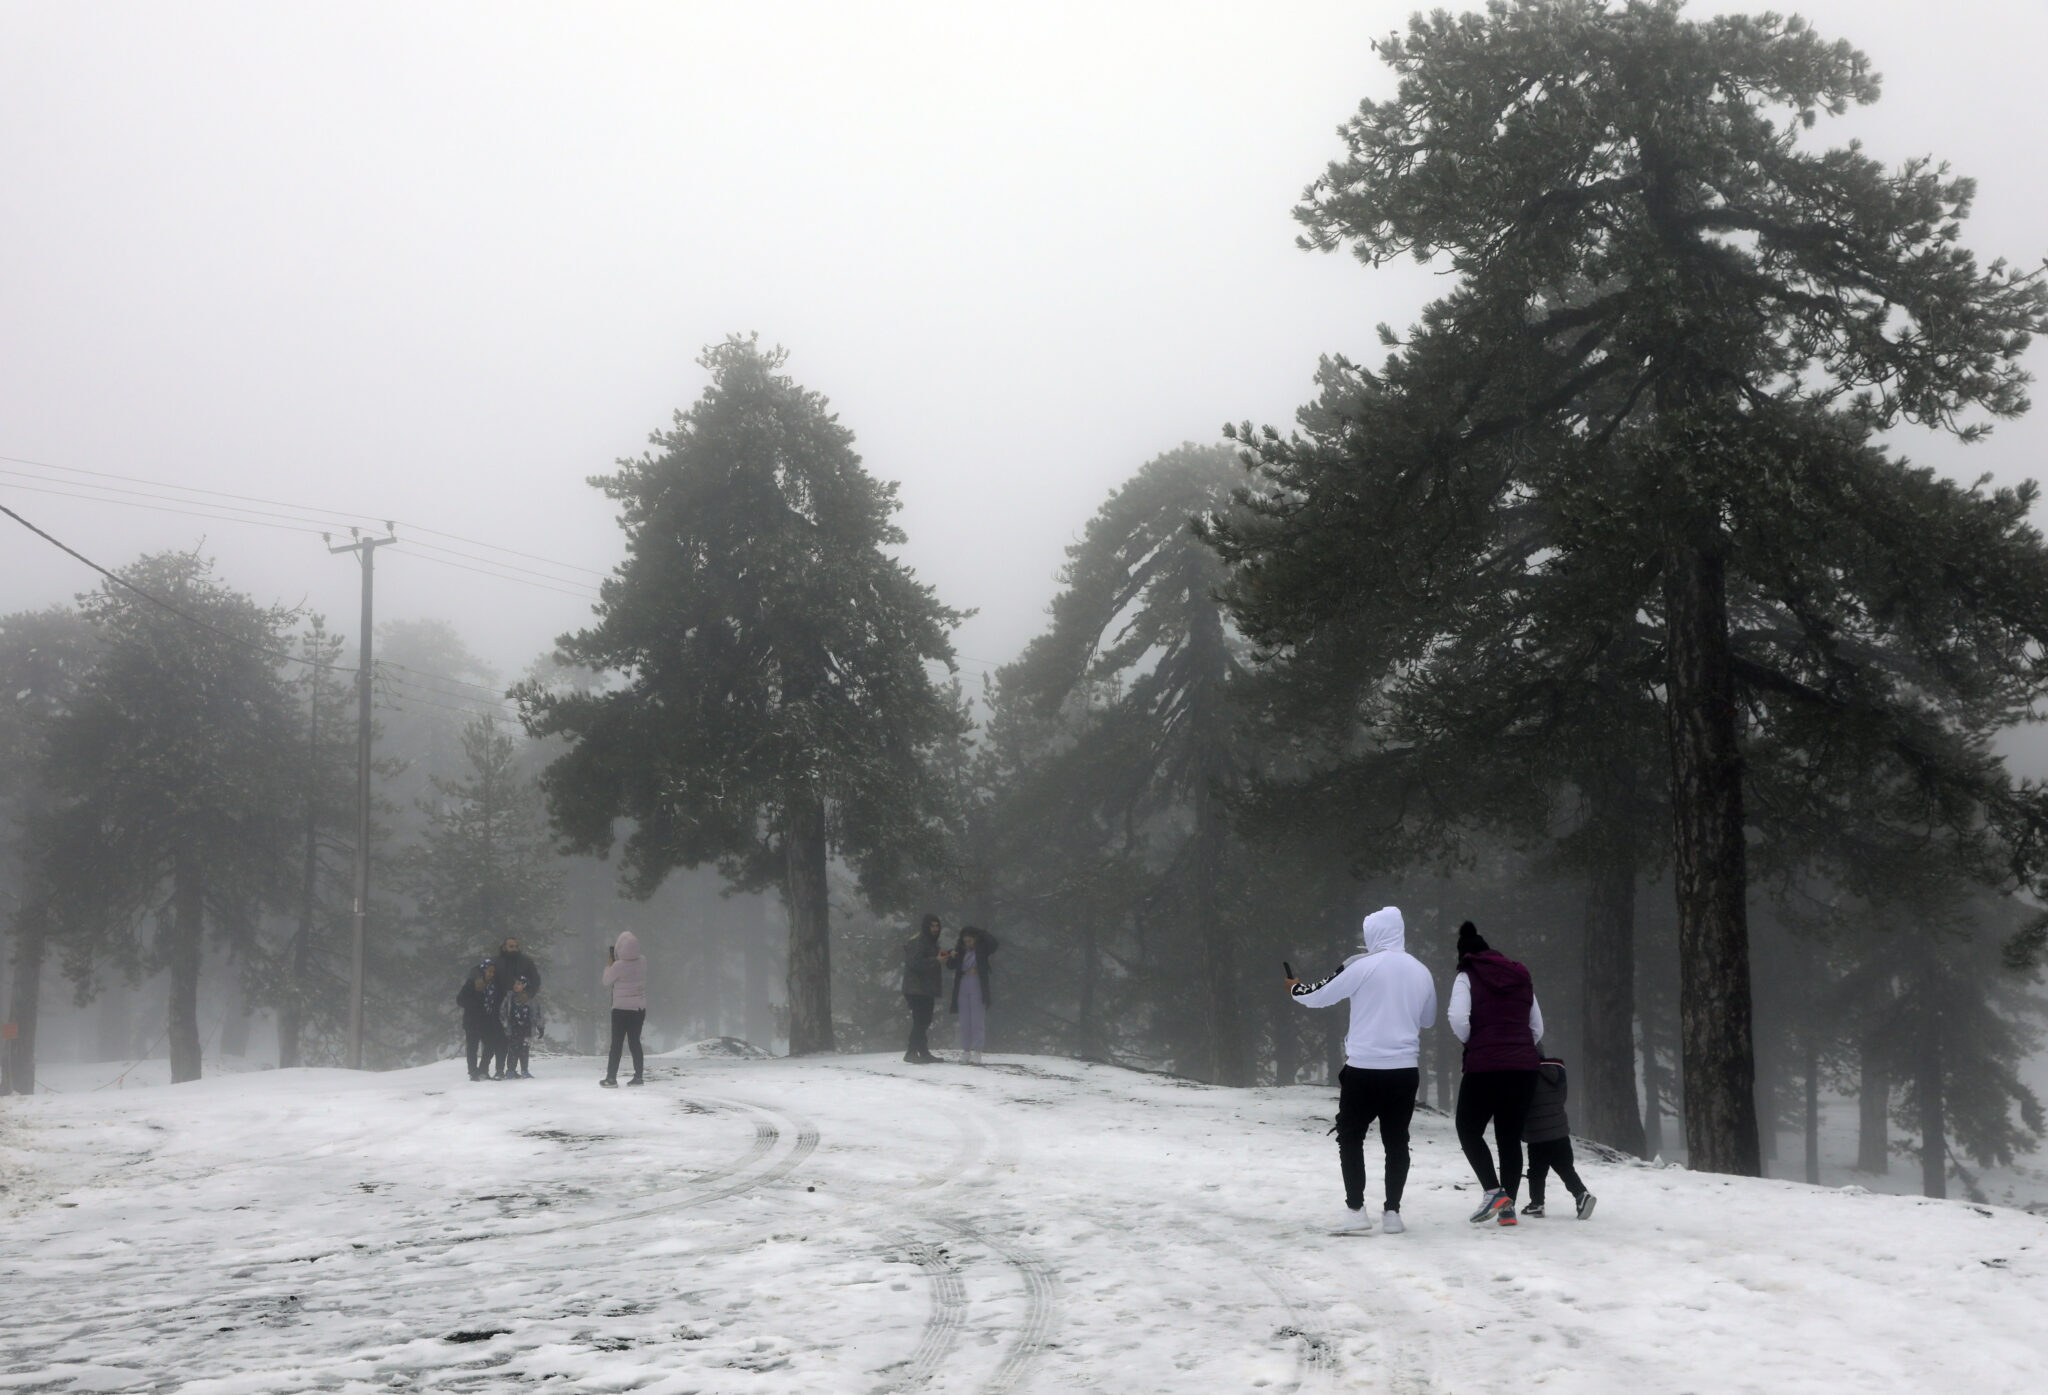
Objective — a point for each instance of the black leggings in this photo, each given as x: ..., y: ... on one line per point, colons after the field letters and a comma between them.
x: 473, y: 1046
x: 920, y: 1024
x: 515, y: 1055
x: 1385, y: 1095
x: 1499, y: 1098
x: 1553, y: 1155
x: 626, y: 1023
x: 494, y: 1051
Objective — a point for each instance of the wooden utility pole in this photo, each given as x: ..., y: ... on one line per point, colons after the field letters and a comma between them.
x: 366, y: 553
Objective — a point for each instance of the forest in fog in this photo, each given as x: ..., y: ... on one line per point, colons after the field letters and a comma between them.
x: 1603, y: 613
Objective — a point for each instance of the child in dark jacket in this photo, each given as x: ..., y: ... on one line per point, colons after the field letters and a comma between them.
x: 1547, y: 1132
x: 479, y: 1020
x: 519, y: 1018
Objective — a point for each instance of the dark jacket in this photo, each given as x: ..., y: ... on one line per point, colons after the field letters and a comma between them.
x: 1546, y: 1119
x: 923, y: 976
x: 521, y: 1020
x: 515, y: 966
x: 1501, y: 997
x: 476, y: 1011
x: 985, y: 947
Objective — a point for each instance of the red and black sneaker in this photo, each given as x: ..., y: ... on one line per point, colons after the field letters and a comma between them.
x: 1490, y: 1205
x: 1505, y: 1213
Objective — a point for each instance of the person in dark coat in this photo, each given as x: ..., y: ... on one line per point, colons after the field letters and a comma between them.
x: 1494, y: 1012
x: 476, y: 1018
x: 1547, y: 1132
x: 924, y: 970
x: 514, y: 964
x: 491, y: 997
x: 972, y: 951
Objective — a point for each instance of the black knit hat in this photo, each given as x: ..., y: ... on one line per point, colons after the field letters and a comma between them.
x: 1470, y: 941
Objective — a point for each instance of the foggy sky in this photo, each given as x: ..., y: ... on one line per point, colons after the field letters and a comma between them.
x: 438, y: 263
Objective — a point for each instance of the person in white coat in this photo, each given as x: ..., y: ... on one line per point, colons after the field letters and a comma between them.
x: 1393, y: 1001
x: 625, y: 973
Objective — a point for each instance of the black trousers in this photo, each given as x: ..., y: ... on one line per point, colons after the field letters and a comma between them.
x: 494, y: 1051
x: 1499, y: 1098
x: 1553, y: 1155
x: 626, y: 1024
x: 1366, y: 1095
x: 515, y: 1053
x: 920, y: 1024
x: 472, y: 1046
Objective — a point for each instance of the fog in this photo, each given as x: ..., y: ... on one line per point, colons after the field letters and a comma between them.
x: 270, y: 273
x: 439, y: 263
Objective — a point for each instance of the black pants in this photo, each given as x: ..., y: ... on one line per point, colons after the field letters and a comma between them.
x: 1499, y: 1098
x: 626, y: 1024
x: 1553, y: 1155
x: 1366, y: 1095
x: 494, y: 1051
x: 515, y: 1053
x: 472, y: 1046
x: 920, y: 1024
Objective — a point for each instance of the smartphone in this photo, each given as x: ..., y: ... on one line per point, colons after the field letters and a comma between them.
x: 1288, y: 967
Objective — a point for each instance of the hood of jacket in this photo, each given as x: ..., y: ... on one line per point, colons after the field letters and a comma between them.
x: 628, y: 946
x: 1384, y: 930
x: 1494, y: 970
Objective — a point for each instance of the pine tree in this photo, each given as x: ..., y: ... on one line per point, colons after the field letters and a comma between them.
x: 172, y: 769
x: 1673, y: 333
x: 776, y: 704
x: 44, y: 655
x: 484, y: 870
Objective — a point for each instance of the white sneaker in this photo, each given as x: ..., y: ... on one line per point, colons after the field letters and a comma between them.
x: 1350, y: 1222
x: 1390, y: 1222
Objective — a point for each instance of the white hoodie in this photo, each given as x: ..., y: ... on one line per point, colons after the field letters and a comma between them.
x: 1392, y: 997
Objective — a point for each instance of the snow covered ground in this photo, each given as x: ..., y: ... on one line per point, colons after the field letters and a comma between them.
x: 855, y: 1224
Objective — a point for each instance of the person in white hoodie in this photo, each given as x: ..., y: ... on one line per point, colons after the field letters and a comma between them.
x: 1393, y: 1000
x: 625, y: 972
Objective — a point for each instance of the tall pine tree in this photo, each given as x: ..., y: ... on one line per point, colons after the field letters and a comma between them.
x: 776, y: 702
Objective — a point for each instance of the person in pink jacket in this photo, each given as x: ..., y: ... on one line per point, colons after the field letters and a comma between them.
x: 626, y: 973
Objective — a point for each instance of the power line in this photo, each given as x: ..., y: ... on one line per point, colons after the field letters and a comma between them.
x: 160, y: 508
x: 160, y: 601
x: 351, y: 518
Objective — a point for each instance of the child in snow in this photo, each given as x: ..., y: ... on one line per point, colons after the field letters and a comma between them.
x: 520, y: 1018
x: 1548, y: 1133
x: 476, y: 1021
x: 493, y: 999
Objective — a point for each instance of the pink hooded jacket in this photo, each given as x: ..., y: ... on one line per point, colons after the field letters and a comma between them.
x: 627, y: 973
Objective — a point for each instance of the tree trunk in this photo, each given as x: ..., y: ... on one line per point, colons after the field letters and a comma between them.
x: 1229, y: 1062
x: 182, y: 958
x: 810, y: 935
x: 1653, y: 1097
x: 1933, y: 1126
x: 1087, y: 1021
x: 234, y: 1022
x: 1286, y: 1040
x: 1873, y: 1110
x: 1812, y: 1110
x: 760, y: 964
x: 1608, y: 1032
x: 1709, y: 867
x: 31, y: 939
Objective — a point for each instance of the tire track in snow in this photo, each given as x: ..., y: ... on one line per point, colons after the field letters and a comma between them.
x: 948, y: 1315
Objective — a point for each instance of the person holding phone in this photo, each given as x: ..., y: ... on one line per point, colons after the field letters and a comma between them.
x: 1393, y: 1001
x: 625, y: 972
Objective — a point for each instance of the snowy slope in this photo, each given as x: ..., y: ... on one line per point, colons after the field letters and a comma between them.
x: 854, y: 1224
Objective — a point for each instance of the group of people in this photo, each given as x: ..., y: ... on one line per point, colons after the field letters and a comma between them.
x: 501, y: 1014
x: 1509, y: 1085
x: 925, y: 961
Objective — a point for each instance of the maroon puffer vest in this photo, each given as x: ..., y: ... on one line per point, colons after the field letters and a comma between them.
x: 1501, y: 996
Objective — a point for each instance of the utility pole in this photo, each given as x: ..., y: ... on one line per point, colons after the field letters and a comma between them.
x: 366, y: 553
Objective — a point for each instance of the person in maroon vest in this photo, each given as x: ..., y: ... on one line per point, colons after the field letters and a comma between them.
x: 1493, y: 1011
